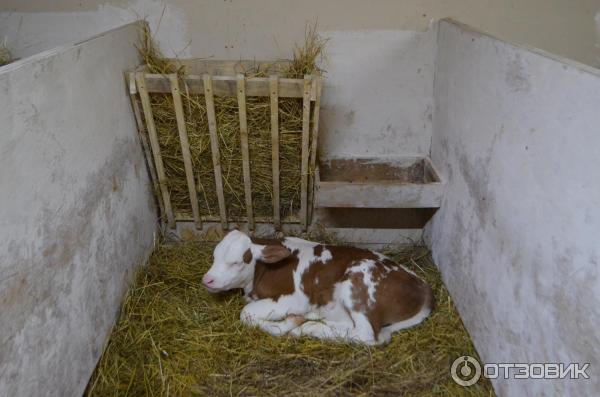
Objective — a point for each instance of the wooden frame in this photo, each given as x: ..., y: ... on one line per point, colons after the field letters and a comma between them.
x: 216, y: 84
x: 143, y: 134
x: 241, y: 86
x: 227, y: 86
x: 185, y: 149
x: 151, y: 127
x: 274, y: 88
x: 305, y: 154
x: 214, y: 146
x: 313, y: 147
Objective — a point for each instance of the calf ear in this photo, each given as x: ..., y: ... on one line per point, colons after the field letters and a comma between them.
x: 274, y: 253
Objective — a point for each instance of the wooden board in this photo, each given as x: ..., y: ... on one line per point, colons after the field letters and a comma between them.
x: 185, y: 149
x: 137, y: 112
x: 244, y: 148
x: 274, y: 93
x: 214, y: 145
x: 305, y: 153
x: 313, y: 146
x: 160, y: 170
x: 200, y: 66
x: 227, y: 86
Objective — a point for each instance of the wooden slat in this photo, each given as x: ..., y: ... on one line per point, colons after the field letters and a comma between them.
x: 214, y: 145
x: 241, y: 219
x: 200, y: 66
x: 274, y: 92
x: 185, y: 149
x: 137, y: 112
x: 305, y: 154
x: 241, y: 97
x: 313, y: 148
x: 160, y: 170
x: 227, y: 86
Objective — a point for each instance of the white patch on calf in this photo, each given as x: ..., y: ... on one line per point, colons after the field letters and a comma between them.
x: 295, y: 243
x: 304, y: 249
x: 388, y: 268
x: 229, y: 269
x: 342, y: 292
x: 325, y: 256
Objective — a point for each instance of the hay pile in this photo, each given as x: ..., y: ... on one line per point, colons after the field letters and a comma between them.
x: 304, y: 61
x: 174, y: 338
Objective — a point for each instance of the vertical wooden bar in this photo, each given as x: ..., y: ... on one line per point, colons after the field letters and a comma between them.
x: 214, y: 146
x: 305, y: 154
x: 185, y: 149
x: 160, y: 170
x: 313, y: 146
x: 274, y: 94
x: 241, y: 96
x: 135, y: 104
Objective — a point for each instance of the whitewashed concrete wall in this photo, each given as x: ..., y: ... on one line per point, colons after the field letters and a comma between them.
x: 76, y: 211
x: 268, y: 28
x: 28, y: 33
x: 517, y: 136
x: 378, y: 93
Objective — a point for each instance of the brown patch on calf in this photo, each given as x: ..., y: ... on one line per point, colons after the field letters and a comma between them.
x: 274, y: 253
x: 273, y: 280
x: 398, y: 296
x: 318, y: 250
x: 319, y: 279
x: 360, y: 292
x: 247, y: 256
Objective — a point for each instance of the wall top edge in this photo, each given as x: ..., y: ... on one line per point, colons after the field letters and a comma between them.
x: 8, y: 68
x: 537, y: 51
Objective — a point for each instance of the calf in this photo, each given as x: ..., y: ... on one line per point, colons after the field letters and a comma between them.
x: 303, y: 288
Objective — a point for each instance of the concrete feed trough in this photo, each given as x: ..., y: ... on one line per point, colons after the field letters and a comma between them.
x: 373, y: 183
x: 482, y: 150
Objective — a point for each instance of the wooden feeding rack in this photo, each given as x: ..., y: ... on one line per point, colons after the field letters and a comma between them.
x: 223, y: 78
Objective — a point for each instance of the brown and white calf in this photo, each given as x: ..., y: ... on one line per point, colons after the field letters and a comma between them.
x: 332, y: 292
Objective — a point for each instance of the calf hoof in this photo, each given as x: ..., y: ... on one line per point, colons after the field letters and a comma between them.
x: 296, y: 319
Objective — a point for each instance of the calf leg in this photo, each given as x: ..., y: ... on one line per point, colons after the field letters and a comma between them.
x: 276, y: 328
x: 323, y: 329
x: 269, y: 316
x: 358, y: 330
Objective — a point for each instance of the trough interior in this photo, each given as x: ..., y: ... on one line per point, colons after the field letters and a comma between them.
x: 376, y: 218
x: 361, y: 170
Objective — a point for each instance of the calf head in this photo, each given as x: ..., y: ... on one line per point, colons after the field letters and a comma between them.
x: 234, y: 260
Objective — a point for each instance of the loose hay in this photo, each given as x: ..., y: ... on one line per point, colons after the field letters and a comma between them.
x: 174, y: 338
x: 5, y: 56
x: 304, y: 62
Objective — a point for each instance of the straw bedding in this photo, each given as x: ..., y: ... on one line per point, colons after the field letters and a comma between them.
x: 174, y: 338
x: 304, y: 62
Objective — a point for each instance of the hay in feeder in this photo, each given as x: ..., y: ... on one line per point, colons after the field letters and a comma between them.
x: 174, y: 338
x: 5, y: 56
x: 259, y: 138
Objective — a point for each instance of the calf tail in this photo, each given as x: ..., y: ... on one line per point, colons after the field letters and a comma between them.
x: 429, y: 301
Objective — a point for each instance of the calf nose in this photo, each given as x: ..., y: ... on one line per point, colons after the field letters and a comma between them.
x: 208, y: 280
